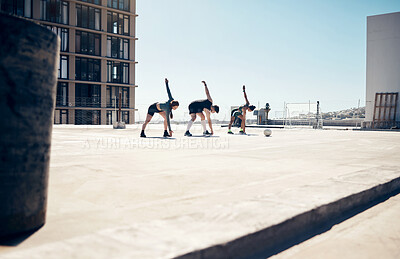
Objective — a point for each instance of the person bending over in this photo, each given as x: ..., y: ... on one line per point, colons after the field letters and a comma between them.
x: 196, y: 108
x: 165, y: 110
x: 241, y: 114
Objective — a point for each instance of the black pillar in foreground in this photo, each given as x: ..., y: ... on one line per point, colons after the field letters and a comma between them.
x: 29, y: 55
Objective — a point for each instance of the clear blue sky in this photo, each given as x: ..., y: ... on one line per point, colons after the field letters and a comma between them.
x: 282, y: 50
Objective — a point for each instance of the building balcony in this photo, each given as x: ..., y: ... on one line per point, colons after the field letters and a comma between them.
x: 91, y: 102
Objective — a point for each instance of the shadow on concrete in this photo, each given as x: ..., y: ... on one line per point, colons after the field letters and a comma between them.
x: 277, y: 238
x: 202, y: 136
x: 321, y: 228
x: 15, y: 240
x: 160, y: 137
x: 247, y: 134
x: 257, y: 126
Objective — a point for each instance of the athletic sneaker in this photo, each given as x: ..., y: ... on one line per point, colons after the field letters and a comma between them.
x: 188, y: 134
x: 166, y: 134
x: 142, y: 135
x: 230, y: 132
x: 242, y: 132
x: 206, y: 133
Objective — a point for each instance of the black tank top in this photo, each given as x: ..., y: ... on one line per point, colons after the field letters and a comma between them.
x: 201, y: 104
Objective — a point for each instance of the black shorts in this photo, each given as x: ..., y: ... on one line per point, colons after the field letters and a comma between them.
x: 153, y: 109
x: 193, y: 108
x: 199, y: 105
x: 233, y: 112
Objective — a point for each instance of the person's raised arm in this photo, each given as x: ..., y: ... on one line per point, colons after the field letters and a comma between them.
x: 168, y: 91
x: 245, y: 96
x: 207, y: 92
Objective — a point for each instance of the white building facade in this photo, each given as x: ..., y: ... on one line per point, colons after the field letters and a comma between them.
x: 383, y: 71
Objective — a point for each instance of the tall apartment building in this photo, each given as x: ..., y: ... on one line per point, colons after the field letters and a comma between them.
x: 97, y: 56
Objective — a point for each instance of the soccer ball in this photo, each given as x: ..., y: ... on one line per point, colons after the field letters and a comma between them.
x: 267, y: 132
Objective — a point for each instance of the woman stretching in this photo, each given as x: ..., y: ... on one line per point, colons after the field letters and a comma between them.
x: 241, y: 114
x: 165, y: 110
x: 196, y: 108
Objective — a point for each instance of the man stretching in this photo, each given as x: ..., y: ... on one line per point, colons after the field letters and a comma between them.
x: 241, y: 114
x: 196, y: 108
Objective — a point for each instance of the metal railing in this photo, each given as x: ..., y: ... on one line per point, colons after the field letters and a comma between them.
x: 115, y: 103
x: 87, y: 102
x: 95, y: 102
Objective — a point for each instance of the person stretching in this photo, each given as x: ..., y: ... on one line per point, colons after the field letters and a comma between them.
x: 165, y: 110
x: 241, y: 114
x: 196, y: 108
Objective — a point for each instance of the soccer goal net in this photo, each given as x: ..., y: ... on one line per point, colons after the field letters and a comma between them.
x: 302, y: 115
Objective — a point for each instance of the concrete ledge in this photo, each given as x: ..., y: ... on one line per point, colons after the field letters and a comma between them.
x: 276, y: 238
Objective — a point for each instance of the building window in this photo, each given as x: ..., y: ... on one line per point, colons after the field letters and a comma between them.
x: 60, y: 116
x: 87, y: 43
x: 87, y: 69
x: 113, y: 116
x: 113, y: 96
x: 119, y: 4
x: 63, y: 116
x: 63, y: 67
x: 91, y: 1
x: 117, y: 72
x: 87, y: 95
x: 109, y: 116
x: 63, y: 34
x: 87, y: 117
x: 62, y: 94
x: 54, y: 11
x: 17, y: 7
x: 117, y: 47
x: 125, y: 97
x: 125, y: 116
x: 117, y: 23
x: 87, y: 17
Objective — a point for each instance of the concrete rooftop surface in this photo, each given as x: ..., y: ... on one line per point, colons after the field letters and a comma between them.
x: 113, y: 194
x: 374, y: 233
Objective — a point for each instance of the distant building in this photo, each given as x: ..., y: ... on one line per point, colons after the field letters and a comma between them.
x: 383, y: 71
x: 97, y: 58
